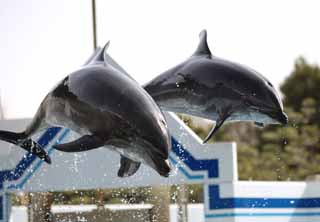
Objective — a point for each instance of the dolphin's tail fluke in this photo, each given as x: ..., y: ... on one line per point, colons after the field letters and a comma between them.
x: 25, y: 143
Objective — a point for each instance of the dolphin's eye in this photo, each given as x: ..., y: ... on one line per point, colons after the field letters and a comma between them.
x: 269, y: 83
x: 163, y: 122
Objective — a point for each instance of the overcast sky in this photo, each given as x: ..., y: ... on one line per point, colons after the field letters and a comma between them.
x: 42, y: 41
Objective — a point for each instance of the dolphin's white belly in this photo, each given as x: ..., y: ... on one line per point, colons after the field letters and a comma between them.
x: 60, y: 113
x: 181, y: 105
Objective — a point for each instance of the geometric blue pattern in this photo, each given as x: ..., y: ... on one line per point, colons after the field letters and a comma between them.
x: 36, y: 165
x: 216, y: 202
x: 211, y: 166
x: 24, y: 163
x: 28, y: 158
x: 185, y: 171
x: 255, y: 214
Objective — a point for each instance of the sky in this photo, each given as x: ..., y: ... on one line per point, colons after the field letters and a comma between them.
x: 43, y: 41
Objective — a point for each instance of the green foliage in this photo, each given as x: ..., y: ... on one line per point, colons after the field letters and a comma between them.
x: 303, y: 83
x: 297, y: 144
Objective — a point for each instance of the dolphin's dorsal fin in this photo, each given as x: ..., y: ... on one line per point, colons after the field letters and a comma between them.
x: 93, y: 56
x: 109, y: 61
x: 103, y: 52
x: 203, y: 48
x: 99, y: 54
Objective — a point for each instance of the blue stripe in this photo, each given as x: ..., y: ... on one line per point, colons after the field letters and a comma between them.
x: 190, y: 177
x: 211, y: 166
x: 215, y: 202
x: 28, y: 159
x: 38, y: 164
x: 293, y: 214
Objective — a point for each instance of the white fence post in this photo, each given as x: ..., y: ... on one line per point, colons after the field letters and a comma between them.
x: 5, y: 206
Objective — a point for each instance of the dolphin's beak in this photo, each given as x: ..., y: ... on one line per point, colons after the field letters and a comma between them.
x: 283, y: 118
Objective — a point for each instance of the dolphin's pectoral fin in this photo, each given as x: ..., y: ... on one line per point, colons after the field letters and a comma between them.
x: 84, y: 143
x: 93, y: 57
x: 128, y: 167
x: 105, y: 54
x: 214, y: 129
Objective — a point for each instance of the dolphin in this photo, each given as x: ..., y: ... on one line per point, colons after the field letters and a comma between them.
x: 213, y: 88
x: 108, y: 109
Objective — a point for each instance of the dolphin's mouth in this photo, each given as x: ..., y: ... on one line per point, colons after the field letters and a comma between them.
x: 283, y: 118
x: 279, y: 116
x: 275, y: 113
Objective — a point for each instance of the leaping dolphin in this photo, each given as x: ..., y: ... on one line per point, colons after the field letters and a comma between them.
x: 107, y: 108
x: 213, y: 88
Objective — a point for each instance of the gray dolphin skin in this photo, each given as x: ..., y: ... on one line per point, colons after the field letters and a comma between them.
x: 213, y: 88
x: 108, y: 109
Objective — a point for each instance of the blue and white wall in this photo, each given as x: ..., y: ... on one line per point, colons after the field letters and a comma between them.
x: 263, y: 201
x: 227, y: 199
x: 213, y: 165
